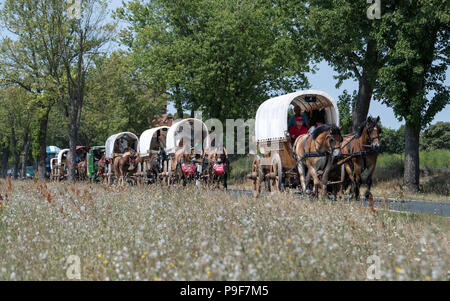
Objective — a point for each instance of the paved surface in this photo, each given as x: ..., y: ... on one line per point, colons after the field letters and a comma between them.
x: 416, y: 206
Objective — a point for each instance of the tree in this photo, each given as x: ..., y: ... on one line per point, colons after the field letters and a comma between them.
x: 83, y: 39
x: 415, y: 39
x: 436, y: 136
x: 15, y: 120
x: 118, y: 99
x: 340, y: 33
x: 222, y: 57
x: 392, y: 141
x: 29, y: 57
x: 345, y: 104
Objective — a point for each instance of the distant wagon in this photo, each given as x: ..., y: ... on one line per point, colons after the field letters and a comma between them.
x: 59, y: 166
x: 96, y: 163
x: 186, y: 145
x: 116, y: 147
x: 152, y: 155
x: 274, y: 166
x: 51, y: 153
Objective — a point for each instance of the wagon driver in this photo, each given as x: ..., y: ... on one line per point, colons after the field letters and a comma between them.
x: 297, y: 130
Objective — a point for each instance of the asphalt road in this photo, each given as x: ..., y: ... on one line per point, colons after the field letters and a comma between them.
x: 416, y: 206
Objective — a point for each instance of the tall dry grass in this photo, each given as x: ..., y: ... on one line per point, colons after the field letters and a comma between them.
x: 157, y: 233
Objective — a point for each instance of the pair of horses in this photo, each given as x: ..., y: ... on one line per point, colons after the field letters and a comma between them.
x: 125, y: 165
x: 210, y: 168
x: 317, y: 152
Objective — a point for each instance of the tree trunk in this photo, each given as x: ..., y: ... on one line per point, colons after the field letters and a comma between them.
x: 5, y: 158
x: 15, y: 153
x: 178, y: 104
x: 362, y: 104
x: 43, y: 123
x: 26, y: 149
x: 411, y: 176
x: 73, y: 134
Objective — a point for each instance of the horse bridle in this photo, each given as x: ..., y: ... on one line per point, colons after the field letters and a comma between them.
x: 332, y: 148
x: 370, y: 138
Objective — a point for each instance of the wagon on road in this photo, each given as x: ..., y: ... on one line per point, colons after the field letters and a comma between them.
x: 115, y: 147
x: 96, y: 163
x: 186, y: 145
x: 152, y: 155
x: 274, y: 165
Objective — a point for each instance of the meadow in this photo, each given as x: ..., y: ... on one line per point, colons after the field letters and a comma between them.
x: 160, y: 233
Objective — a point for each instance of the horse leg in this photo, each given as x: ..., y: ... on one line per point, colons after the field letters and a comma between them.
x: 341, y: 186
x: 371, y: 169
x: 325, y: 175
x: 316, y: 179
x: 301, y: 172
x: 357, y: 180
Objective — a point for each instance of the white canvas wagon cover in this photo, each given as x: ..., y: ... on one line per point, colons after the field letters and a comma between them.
x: 61, y: 153
x: 145, y: 141
x: 174, y: 135
x: 128, y: 136
x: 271, y: 117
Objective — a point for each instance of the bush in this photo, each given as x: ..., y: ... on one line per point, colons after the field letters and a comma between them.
x: 437, y: 136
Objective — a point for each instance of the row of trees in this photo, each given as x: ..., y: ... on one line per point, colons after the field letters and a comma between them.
x: 54, y: 65
x: 223, y: 57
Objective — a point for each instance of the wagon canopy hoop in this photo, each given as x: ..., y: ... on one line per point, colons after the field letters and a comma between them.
x: 130, y: 137
x: 61, y: 153
x: 272, y: 115
x: 146, y: 139
x: 174, y: 136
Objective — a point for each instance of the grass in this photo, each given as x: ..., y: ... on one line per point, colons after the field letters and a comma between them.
x: 155, y: 233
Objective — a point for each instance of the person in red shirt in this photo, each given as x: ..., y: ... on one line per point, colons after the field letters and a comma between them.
x: 298, y: 129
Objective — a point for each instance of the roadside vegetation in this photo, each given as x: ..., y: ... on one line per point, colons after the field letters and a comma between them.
x: 388, y: 176
x: 191, y: 234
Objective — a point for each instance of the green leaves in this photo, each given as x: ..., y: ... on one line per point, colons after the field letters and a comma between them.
x: 415, y: 40
x: 225, y: 57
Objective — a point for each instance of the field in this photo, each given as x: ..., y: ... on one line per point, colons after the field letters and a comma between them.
x: 155, y: 233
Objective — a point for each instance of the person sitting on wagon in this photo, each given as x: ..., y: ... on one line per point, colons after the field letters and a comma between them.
x: 298, y: 113
x: 297, y: 130
x: 319, y: 122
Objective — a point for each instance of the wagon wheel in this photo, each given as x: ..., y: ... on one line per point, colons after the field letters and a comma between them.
x: 275, y: 174
x: 257, y: 174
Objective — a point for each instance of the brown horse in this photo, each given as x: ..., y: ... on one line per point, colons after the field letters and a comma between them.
x: 81, y: 170
x: 125, y: 165
x: 218, y: 166
x: 361, y: 152
x: 315, y: 153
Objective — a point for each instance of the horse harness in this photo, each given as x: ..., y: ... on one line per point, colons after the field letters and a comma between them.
x: 363, y: 154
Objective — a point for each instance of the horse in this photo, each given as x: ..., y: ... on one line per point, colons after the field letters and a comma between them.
x: 155, y: 165
x: 125, y: 165
x: 218, y: 166
x: 81, y: 170
x: 361, y: 152
x: 315, y: 154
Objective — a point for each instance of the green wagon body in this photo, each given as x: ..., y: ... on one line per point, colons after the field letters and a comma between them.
x: 92, y: 167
